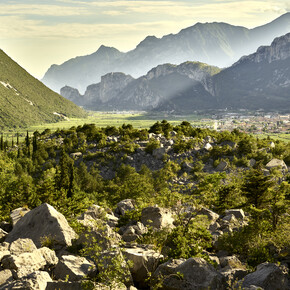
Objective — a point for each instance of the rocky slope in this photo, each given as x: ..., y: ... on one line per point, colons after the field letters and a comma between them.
x: 25, y: 101
x: 218, y: 44
x: 259, y: 80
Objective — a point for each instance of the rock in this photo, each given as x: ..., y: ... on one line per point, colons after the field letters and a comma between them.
x: 22, y: 246
x: 276, y: 163
x: 197, y: 274
x: 35, y: 281
x: 158, y: 153
x: 269, y: 276
x: 17, y: 214
x: 76, y: 155
x: 132, y: 232
x: 5, y: 276
x: 157, y: 217
x: 28, y: 262
x: 124, y: 205
x: 212, y: 216
x: 4, y: 250
x: 187, y: 167
x: 43, y: 221
x: 144, y: 261
x: 3, y: 235
x: 207, y: 147
x: 63, y: 285
x: 222, y: 166
x: 231, y: 262
x: 95, y: 212
x: 238, y: 213
x: 252, y: 162
x: 233, y: 275
x: 73, y: 267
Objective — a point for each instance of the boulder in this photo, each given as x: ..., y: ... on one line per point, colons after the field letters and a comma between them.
x: 5, y: 276
x: 28, y: 262
x: 143, y: 262
x: 276, y: 163
x: 3, y: 235
x: 22, y: 246
x: 231, y: 262
x: 4, y: 250
x: 269, y: 276
x: 197, y: 274
x: 212, y: 216
x: 76, y: 155
x: 238, y: 213
x: 207, y: 147
x: 157, y: 217
x: 17, y: 214
x: 222, y: 166
x: 158, y: 153
x: 63, y: 285
x: 73, y: 268
x: 124, y: 205
x: 252, y: 162
x: 43, y: 222
x: 132, y: 232
x: 35, y: 281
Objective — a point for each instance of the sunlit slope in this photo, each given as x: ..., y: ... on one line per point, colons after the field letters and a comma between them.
x: 24, y: 100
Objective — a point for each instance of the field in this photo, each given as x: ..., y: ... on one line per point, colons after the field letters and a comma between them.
x: 137, y: 119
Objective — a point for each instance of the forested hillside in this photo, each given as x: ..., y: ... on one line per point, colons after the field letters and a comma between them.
x: 213, y: 193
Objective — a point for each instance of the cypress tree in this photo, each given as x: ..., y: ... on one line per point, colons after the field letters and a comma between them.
x: 17, y: 140
x: 1, y: 143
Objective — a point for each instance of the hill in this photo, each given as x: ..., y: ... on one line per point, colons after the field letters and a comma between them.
x: 24, y: 100
x: 218, y: 44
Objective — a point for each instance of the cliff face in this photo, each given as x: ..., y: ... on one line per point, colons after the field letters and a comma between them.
x: 260, y: 80
x: 120, y: 91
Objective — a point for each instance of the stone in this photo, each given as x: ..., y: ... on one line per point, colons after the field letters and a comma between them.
x: 252, y: 162
x: 63, y: 285
x: 212, y: 216
x: 35, y: 281
x: 222, y: 166
x: 144, y: 261
x: 73, y: 267
x: 41, y: 222
x: 17, y: 214
x: 28, y: 262
x: 124, y: 205
x: 269, y: 276
x: 231, y: 262
x: 3, y: 235
x: 238, y: 213
x: 157, y: 217
x: 76, y: 155
x: 22, y: 246
x: 207, y: 147
x: 276, y: 163
x: 158, y: 153
x: 5, y: 277
x: 197, y: 274
x: 4, y: 250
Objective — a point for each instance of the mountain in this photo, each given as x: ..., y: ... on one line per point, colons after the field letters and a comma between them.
x: 24, y: 100
x: 218, y: 44
x: 118, y: 91
x: 259, y: 80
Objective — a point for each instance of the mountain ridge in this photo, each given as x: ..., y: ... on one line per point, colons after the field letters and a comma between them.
x: 218, y: 44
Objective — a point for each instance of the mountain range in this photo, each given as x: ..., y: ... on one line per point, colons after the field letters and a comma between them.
x: 258, y: 81
x: 218, y: 44
x: 25, y: 101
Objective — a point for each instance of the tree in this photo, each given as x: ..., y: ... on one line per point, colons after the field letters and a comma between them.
x: 256, y: 187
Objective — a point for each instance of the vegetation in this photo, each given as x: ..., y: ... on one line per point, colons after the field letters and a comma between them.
x: 26, y: 101
x: 83, y: 165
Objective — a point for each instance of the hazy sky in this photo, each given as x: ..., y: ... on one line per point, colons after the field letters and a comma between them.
x: 38, y: 33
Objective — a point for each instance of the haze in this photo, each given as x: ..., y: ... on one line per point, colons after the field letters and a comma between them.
x: 37, y: 34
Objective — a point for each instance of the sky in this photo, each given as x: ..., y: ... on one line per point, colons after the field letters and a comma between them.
x: 39, y: 33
